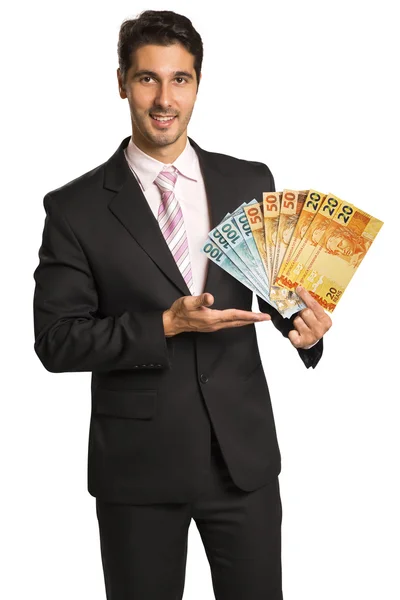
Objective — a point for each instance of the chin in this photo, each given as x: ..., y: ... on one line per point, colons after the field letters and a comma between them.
x: 165, y: 138
x: 162, y: 139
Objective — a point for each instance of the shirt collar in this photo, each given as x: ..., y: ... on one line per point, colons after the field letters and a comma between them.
x: 147, y: 168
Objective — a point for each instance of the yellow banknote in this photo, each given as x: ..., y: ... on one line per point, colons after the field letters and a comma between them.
x: 304, y: 249
x: 291, y: 206
x: 255, y: 217
x: 338, y: 254
x: 272, y: 209
x: 310, y: 208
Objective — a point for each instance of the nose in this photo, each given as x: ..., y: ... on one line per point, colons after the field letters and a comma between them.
x: 163, y: 96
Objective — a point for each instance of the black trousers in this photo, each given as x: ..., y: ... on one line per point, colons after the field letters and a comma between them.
x: 144, y: 547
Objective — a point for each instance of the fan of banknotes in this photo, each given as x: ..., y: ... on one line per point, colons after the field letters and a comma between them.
x: 293, y: 238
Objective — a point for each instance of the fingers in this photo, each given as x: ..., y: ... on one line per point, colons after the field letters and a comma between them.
x: 314, y: 315
x: 302, y: 335
x: 301, y: 326
x: 308, y: 328
x: 294, y: 337
x: 205, y: 299
x: 232, y: 317
x: 316, y: 327
x: 310, y: 301
x: 309, y: 319
x: 190, y: 313
x: 234, y: 323
x: 235, y: 314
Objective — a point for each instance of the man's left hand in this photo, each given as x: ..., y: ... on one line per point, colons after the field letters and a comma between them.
x: 310, y: 324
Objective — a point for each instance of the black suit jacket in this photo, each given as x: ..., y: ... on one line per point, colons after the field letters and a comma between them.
x: 104, y: 279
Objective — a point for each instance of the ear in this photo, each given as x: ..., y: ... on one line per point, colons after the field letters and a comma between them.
x: 121, y: 87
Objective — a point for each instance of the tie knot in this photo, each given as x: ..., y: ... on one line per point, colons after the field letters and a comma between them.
x: 166, y: 179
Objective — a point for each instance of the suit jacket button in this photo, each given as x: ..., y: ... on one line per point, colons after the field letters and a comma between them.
x: 203, y: 378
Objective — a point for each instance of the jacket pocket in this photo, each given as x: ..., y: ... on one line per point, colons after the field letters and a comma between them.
x: 130, y: 404
x: 253, y: 371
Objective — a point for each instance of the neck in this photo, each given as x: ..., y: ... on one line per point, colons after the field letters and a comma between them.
x: 166, y: 154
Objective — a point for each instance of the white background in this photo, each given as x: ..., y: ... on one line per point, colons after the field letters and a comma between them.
x: 309, y: 88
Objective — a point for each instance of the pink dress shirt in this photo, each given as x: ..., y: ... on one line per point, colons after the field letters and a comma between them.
x: 191, y: 194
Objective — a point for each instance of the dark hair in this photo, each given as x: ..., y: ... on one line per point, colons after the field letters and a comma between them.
x: 162, y: 28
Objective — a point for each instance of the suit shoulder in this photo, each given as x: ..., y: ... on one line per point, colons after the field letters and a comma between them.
x: 233, y: 164
x: 78, y: 186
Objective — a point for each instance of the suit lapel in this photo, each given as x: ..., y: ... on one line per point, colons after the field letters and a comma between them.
x: 219, y: 197
x: 130, y: 207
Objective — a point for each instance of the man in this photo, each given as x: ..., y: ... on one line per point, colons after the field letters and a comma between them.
x: 181, y: 425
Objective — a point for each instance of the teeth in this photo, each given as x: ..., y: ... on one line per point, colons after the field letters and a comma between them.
x: 162, y: 118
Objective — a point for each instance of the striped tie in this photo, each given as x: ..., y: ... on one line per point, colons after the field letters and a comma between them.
x: 170, y: 219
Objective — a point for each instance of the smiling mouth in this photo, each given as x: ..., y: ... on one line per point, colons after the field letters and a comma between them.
x: 163, y: 119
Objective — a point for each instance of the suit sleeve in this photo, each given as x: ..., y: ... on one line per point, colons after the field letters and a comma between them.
x: 68, y: 335
x: 311, y: 356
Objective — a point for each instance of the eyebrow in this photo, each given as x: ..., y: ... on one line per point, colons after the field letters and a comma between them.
x: 153, y: 74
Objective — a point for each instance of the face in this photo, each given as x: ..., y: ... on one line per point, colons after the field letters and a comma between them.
x: 286, y: 235
x: 317, y: 235
x: 161, y: 81
x: 339, y: 245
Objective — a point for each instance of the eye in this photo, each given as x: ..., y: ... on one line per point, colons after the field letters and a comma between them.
x: 182, y: 78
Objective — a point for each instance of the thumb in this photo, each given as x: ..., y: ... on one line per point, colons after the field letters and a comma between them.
x: 205, y: 299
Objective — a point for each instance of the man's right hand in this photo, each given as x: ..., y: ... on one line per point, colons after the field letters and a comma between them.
x: 191, y: 313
